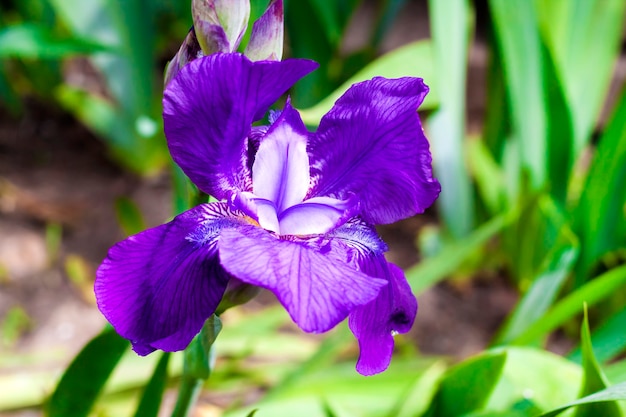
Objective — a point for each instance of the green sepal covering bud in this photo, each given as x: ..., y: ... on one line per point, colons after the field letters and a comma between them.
x: 237, y: 292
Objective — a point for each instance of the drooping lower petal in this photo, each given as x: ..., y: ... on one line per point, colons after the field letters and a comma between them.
x: 311, y: 278
x: 208, y: 110
x: 371, y: 144
x: 158, y: 287
x: 374, y: 324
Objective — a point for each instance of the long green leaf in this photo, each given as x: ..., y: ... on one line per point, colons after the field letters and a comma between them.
x: 591, y: 293
x: 540, y: 296
x: 467, y: 386
x: 30, y: 40
x: 84, y: 378
x: 599, y: 217
x: 414, y: 59
x: 153, y: 392
x: 583, y: 37
x: 450, y: 22
x: 608, y: 339
x: 594, y: 380
x: 613, y: 393
x: 557, y: 265
x: 519, y: 42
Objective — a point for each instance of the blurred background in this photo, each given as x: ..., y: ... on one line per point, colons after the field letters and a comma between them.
x: 527, y: 123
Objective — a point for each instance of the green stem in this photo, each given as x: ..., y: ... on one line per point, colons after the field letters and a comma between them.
x: 187, y: 396
x: 198, y: 364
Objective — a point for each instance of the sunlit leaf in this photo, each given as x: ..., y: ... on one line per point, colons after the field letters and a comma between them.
x: 30, y: 40
x: 534, y: 378
x: 583, y: 36
x: 467, y: 386
x: 517, y: 33
x: 451, y: 26
x: 414, y: 59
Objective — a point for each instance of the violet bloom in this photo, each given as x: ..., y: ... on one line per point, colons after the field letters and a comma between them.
x: 296, y: 210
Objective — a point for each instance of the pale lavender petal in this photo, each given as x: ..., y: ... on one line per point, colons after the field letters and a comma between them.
x: 266, y: 215
x: 311, y: 278
x: 158, y: 287
x: 317, y: 215
x: 281, y: 166
x: 371, y: 144
x: 220, y: 24
x: 374, y: 324
x: 208, y: 109
x: 211, y: 38
x: 266, y: 40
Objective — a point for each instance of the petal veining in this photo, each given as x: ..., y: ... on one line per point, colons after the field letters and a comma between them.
x: 371, y: 144
x: 208, y: 110
x: 158, y: 287
x: 281, y: 166
x: 310, y: 278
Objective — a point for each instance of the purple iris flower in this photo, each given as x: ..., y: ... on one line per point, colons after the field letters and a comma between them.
x: 296, y: 209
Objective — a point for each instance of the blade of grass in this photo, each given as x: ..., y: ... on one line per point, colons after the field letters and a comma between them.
x: 583, y: 37
x: 593, y: 378
x: 560, y: 255
x: 540, y: 296
x: 153, y: 392
x: 83, y: 380
x: 451, y: 26
x: 608, y: 339
x: 599, y: 217
x: 592, y: 292
x: 518, y: 39
x: 613, y: 393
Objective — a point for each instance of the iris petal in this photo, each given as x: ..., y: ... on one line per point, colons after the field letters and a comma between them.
x: 310, y: 278
x: 317, y: 215
x: 371, y: 144
x: 158, y: 287
x: 208, y: 110
x: 392, y: 311
x: 281, y: 166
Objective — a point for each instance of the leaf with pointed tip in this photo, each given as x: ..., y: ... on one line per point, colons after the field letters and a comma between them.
x: 83, y: 380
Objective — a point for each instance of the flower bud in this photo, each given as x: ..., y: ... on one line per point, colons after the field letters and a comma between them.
x: 266, y: 40
x: 220, y: 24
x: 237, y: 292
x: 189, y: 50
